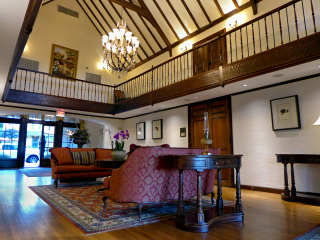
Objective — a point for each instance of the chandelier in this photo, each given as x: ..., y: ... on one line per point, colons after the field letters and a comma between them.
x: 119, y: 50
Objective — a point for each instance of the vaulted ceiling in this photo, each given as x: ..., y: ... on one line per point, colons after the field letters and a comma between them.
x: 160, y: 25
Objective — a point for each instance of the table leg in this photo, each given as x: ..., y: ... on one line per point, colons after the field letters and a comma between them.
x: 293, y: 186
x: 219, y: 195
x: 180, y: 211
x: 286, y: 186
x: 238, y: 193
x: 200, y: 215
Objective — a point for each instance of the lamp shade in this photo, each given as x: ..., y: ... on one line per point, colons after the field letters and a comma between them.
x: 317, y: 122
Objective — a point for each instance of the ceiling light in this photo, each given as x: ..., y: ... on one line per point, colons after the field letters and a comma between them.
x: 195, y: 97
x: 245, y: 85
x: 161, y: 105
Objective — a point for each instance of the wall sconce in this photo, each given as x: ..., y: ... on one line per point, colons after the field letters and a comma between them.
x: 235, y: 24
x: 183, y: 48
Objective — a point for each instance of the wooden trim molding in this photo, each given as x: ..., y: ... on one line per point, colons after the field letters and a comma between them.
x: 262, y: 189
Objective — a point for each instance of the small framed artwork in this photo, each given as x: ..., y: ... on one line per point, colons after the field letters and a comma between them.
x: 141, y: 134
x: 63, y: 61
x: 182, y: 132
x: 285, y: 113
x: 157, y: 129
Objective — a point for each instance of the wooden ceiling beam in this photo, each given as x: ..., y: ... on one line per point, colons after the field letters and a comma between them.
x: 254, y: 7
x: 204, y: 11
x: 190, y: 14
x: 142, y: 35
x: 166, y: 19
x: 101, y: 15
x: 151, y: 33
x: 47, y: 2
x: 219, y: 7
x: 114, y: 8
x: 235, y: 3
x: 84, y: 1
x: 89, y: 18
x: 177, y: 16
x: 145, y: 12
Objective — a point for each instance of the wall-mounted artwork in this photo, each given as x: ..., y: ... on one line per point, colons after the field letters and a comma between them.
x: 141, y: 134
x: 285, y: 113
x: 157, y: 129
x: 183, y: 132
x: 63, y: 61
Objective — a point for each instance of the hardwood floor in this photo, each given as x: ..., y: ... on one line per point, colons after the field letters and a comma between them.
x: 23, y: 215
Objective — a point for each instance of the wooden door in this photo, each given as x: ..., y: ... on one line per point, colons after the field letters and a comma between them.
x: 206, y: 55
x: 219, y: 125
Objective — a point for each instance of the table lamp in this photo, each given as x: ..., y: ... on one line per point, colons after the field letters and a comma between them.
x: 206, y: 140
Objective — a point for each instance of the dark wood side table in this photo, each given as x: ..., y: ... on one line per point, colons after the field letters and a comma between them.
x: 108, y: 163
x: 203, y: 220
x: 293, y: 196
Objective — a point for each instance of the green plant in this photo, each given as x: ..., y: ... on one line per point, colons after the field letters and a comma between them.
x: 80, y: 132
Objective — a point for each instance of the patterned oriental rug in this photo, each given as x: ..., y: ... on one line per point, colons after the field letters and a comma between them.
x: 82, y: 204
x: 37, y: 172
x: 313, y: 234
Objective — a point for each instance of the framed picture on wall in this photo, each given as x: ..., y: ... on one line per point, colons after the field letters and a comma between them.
x: 63, y: 61
x: 157, y: 129
x: 141, y: 134
x: 285, y: 113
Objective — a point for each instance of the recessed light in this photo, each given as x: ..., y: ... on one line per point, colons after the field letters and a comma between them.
x: 319, y: 66
x: 278, y: 75
x: 195, y: 97
x: 244, y: 85
x: 161, y: 105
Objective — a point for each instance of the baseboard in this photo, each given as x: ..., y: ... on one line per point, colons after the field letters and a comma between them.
x: 262, y: 189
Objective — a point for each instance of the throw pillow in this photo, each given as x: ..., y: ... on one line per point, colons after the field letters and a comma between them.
x: 83, y: 158
x: 103, y: 153
x: 62, y: 155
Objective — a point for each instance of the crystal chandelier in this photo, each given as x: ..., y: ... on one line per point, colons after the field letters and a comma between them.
x: 119, y: 50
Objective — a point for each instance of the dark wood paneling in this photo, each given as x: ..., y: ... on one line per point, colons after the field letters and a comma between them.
x: 58, y: 102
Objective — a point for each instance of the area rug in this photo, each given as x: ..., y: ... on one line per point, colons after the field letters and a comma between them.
x: 37, y: 172
x: 313, y: 234
x: 82, y: 204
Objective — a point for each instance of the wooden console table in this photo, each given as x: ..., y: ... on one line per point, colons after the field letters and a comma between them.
x: 203, y: 220
x: 293, y: 196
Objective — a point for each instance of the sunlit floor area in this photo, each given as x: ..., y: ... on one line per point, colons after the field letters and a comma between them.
x: 24, y: 215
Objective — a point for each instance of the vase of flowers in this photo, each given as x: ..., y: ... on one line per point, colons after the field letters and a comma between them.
x: 80, y: 136
x: 118, y: 153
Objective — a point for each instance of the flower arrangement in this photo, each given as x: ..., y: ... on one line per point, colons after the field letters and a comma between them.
x: 80, y: 133
x: 120, y: 136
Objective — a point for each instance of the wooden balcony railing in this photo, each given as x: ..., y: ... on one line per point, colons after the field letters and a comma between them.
x: 292, y: 21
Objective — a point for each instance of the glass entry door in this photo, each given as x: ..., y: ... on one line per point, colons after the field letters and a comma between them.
x: 40, y: 138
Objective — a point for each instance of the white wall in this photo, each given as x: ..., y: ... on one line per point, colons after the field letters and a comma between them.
x: 53, y: 27
x: 254, y: 138
x: 172, y: 121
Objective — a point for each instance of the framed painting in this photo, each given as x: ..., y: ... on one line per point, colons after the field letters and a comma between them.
x: 141, y: 134
x: 63, y: 62
x: 285, y: 113
x: 157, y: 129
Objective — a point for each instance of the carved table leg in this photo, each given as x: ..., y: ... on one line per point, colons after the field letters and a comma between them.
x: 238, y: 194
x: 180, y: 212
x: 286, y: 187
x: 293, y: 186
x: 200, y: 215
x: 219, y: 195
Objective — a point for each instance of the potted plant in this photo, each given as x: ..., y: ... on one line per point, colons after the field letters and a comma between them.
x: 118, y: 153
x: 80, y: 136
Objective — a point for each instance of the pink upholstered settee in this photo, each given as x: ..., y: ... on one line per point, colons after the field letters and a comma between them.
x: 148, y: 175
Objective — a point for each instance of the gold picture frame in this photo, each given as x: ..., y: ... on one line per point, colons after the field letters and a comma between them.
x: 64, y: 61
